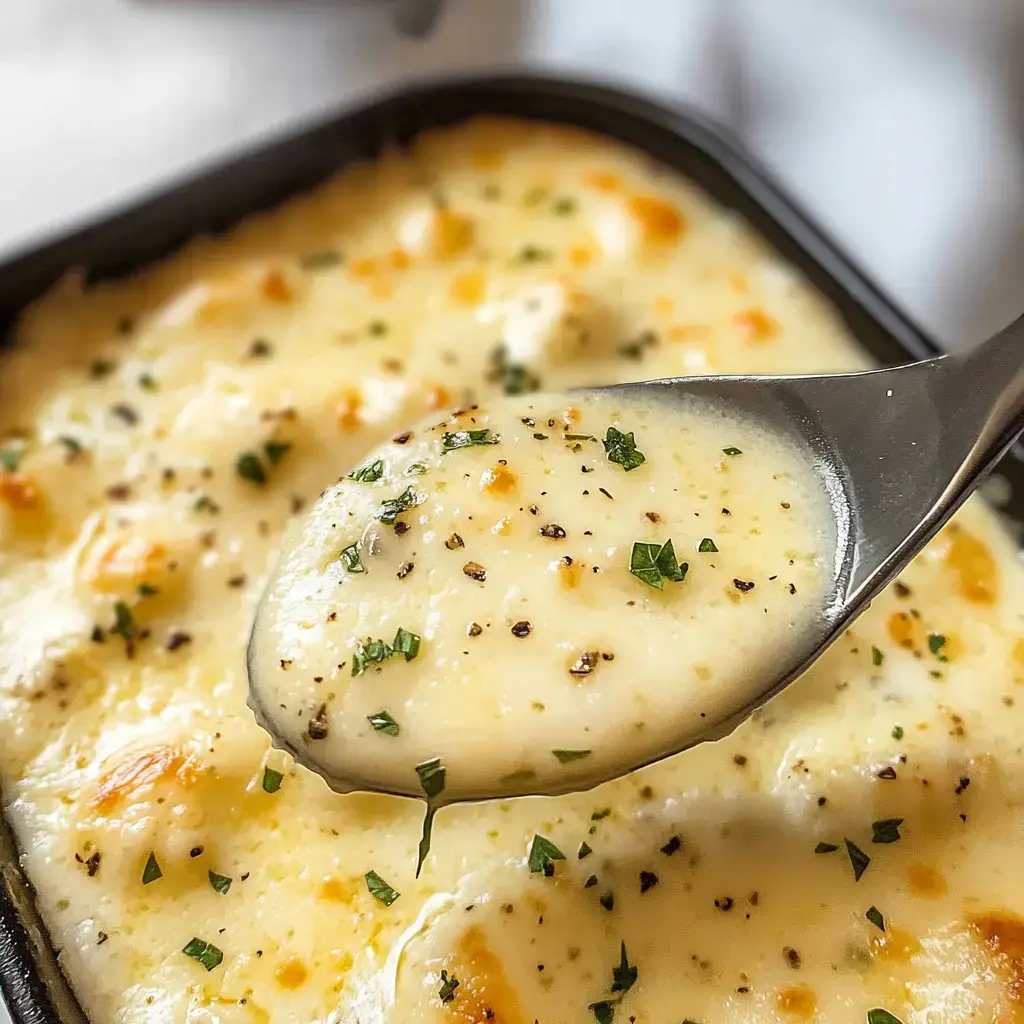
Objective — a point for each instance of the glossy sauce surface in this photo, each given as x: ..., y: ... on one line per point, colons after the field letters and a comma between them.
x: 143, y: 423
x: 541, y: 593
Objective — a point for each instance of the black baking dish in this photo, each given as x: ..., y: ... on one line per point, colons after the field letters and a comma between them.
x: 32, y: 984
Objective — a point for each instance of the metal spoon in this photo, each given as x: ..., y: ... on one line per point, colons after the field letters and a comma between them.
x: 899, y: 450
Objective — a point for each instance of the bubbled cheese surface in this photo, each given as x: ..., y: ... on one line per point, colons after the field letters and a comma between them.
x: 158, y: 435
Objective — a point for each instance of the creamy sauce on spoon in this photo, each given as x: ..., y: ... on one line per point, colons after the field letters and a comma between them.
x: 541, y: 593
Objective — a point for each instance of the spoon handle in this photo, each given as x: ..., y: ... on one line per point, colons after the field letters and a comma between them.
x: 926, y: 434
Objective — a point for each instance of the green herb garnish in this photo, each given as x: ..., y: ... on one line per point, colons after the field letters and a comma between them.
x: 455, y: 440
x: 880, y: 1016
x: 707, y: 545
x: 369, y: 473
x: 568, y: 756
x: 72, y: 444
x: 424, y: 847
x: 151, y: 872
x: 391, y: 508
x: 584, y: 851
x: 732, y: 451
x: 826, y: 848
x: 877, y: 657
x: 380, y: 890
x: 621, y: 449
x: 897, y: 732
x: 275, y: 451
x: 377, y: 328
x: 653, y: 563
x: 858, y: 858
x: 432, y: 775
x: 124, y: 622
x: 376, y: 651
x: 147, y: 381
x: 351, y: 559
x: 147, y: 590
x: 271, y: 780
x: 886, y: 831
x: 249, y: 467
x: 446, y: 993
x: 564, y: 206
x: 936, y: 642
x: 514, y: 378
x: 406, y: 643
x: 100, y: 368
x: 542, y: 855
x: 220, y: 883
x: 604, y: 1011
x: 205, y: 953
x: 10, y: 457
x: 624, y: 976
x: 383, y: 722
x: 874, y: 915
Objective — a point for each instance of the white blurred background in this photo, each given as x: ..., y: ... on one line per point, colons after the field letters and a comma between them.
x: 899, y: 122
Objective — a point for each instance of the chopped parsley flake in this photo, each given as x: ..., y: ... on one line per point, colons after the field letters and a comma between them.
x: 424, y: 847
x: 446, y: 993
x: 621, y: 449
x: 100, y: 368
x: 672, y: 846
x: 877, y: 657
x: 707, y: 545
x: 351, y: 559
x: 391, y: 508
x: 376, y: 651
x: 72, y: 444
x: 584, y: 851
x: 383, y: 722
x: 377, y: 328
x: 220, y: 883
x: 897, y: 732
x: 147, y: 382
x: 271, y: 780
x: 205, y: 953
x: 432, y: 774
x: 880, y: 1016
x: 858, y: 858
x: 249, y: 467
x: 732, y: 451
x: 124, y: 622
x: 936, y: 642
x: 10, y: 457
x: 624, y: 976
x: 826, y: 848
x: 151, y: 872
x: 514, y: 378
x: 604, y: 1011
x: 886, y: 831
x: 543, y: 853
x: 406, y: 643
x: 564, y: 207
x: 275, y: 451
x: 380, y: 890
x: 568, y: 756
x: 874, y: 915
x: 654, y: 563
x: 369, y: 473
x: 453, y: 441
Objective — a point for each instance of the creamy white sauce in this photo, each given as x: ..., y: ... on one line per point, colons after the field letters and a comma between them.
x: 542, y: 593
x: 312, y: 326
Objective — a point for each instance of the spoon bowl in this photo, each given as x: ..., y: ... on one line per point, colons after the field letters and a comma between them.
x: 897, y: 451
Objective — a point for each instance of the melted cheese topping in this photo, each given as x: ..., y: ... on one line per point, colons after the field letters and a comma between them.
x: 144, y: 490
x: 537, y: 607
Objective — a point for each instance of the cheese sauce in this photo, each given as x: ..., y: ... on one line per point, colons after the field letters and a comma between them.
x: 853, y: 847
x: 541, y: 593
